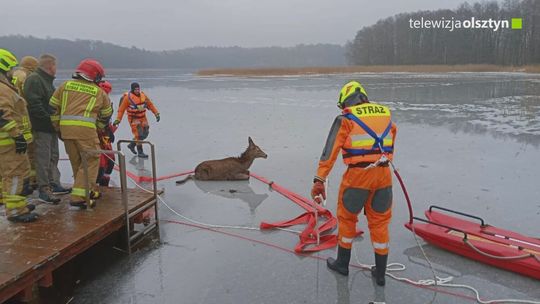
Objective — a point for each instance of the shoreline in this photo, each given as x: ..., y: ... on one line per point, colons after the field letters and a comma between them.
x: 368, y: 69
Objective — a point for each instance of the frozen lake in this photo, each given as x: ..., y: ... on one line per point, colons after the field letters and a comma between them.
x: 466, y: 141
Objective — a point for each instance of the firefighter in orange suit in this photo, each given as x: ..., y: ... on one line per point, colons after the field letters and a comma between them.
x: 136, y: 103
x: 365, y: 134
x: 80, y: 108
x: 15, y: 134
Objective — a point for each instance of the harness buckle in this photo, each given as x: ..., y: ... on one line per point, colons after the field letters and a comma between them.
x: 381, y: 161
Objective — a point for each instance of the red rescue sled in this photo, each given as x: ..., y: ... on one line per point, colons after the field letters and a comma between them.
x: 479, y: 241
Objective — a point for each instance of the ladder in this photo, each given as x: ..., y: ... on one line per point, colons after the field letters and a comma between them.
x: 132, y: 237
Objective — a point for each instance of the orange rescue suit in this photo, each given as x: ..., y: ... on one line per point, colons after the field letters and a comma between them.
x: 136, y: 108
x: 359, y: 134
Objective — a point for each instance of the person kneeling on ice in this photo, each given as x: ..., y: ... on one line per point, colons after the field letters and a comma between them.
x: 136, y: 103
x: 365, y: 134
x: 106, y: 138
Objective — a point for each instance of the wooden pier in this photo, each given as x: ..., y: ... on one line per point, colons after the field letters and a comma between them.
x: 29, y: 253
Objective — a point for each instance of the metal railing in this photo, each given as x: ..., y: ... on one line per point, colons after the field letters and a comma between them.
x: 124, y: 190
x: 152, y: 203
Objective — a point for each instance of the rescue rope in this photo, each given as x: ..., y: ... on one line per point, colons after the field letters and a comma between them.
x: 518, y: 257
x: 443, y: 282
x: 308, y: 237
x: 134, y: 180
x: 438, y: 281
x: 311, y: 239
x: 421, y: 283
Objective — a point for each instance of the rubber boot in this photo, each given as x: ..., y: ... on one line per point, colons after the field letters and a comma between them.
x: 131, y: 148
x: 379, y: 270
x: 341, y: 264
x: 80, y: 205
x: 141, y: 152
x: 24, y: 218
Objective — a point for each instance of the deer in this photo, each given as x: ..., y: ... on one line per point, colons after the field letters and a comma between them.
x: 230, y: 168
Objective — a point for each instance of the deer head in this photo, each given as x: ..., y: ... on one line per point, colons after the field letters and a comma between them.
x: 254, y: 151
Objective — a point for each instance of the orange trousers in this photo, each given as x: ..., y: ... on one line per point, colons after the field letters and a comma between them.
x: 371, y: 190
x: 139, y: 128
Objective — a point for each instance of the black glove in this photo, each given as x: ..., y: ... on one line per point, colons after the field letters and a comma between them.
x: 110, y: 133
x: 20, y: 144
x: 3, y: 122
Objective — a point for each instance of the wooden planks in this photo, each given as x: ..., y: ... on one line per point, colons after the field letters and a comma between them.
x: 30, y: 252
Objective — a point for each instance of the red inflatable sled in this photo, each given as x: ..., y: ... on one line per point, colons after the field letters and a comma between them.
x: 475, y: 239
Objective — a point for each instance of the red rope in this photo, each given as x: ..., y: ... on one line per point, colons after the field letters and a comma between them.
x: 308, y: 237
x: 307, y: 255
x: 402, y: 184
x: 139, y: 179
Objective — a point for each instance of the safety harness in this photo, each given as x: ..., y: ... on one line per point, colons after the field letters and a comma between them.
x: 378, y: 146
x: 136, y: 110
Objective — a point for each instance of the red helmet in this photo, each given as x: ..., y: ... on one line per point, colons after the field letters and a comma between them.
x: 106, y: 86
x: 92, y: 69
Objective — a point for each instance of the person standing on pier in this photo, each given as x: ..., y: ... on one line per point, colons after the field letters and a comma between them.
x: 38, y: 90
x: 80, y: 108
x: 15, y: 134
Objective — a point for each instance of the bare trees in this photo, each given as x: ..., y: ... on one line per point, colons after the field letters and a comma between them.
x: 394, y: 41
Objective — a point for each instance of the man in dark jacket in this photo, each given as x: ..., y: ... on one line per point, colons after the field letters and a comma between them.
x: 38, y: 90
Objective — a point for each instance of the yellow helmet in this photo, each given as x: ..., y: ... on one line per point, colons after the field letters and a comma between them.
x: 352, y: 93
x: 7, y: 60
x: 29, y: 62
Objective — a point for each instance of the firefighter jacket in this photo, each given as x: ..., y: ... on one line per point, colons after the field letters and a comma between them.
x: 79, y: 108
x: 359, y: 134
x: 14, y: 119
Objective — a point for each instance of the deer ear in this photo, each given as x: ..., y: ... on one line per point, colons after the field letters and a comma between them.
x: 250, y: 141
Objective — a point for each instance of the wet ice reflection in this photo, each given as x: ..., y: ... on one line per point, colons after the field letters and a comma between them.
x: 240, y: 190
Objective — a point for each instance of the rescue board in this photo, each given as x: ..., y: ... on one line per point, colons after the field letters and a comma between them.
x: 475, y: 239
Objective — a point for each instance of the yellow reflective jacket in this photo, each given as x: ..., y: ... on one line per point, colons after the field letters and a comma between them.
x: 14, y: 119
x: 79, y: 108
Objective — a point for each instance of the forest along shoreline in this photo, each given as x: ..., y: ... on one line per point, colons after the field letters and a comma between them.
x: 368, y: 69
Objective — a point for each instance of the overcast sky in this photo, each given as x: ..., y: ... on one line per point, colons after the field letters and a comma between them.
x: 175, y: 24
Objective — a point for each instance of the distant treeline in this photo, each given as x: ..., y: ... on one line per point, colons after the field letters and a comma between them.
x: 392, y: 41
x: 70, y: 53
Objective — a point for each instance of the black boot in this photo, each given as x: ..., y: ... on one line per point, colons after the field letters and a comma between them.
x: 379, y: 270
x: 141, y: 152
x: 341, y: 264
x: 131, y: 148
x: 27, y: 188
x: 23, y: 218
x: 79, y: 205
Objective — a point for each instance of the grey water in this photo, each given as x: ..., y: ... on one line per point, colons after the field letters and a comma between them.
x: 466, y: 141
